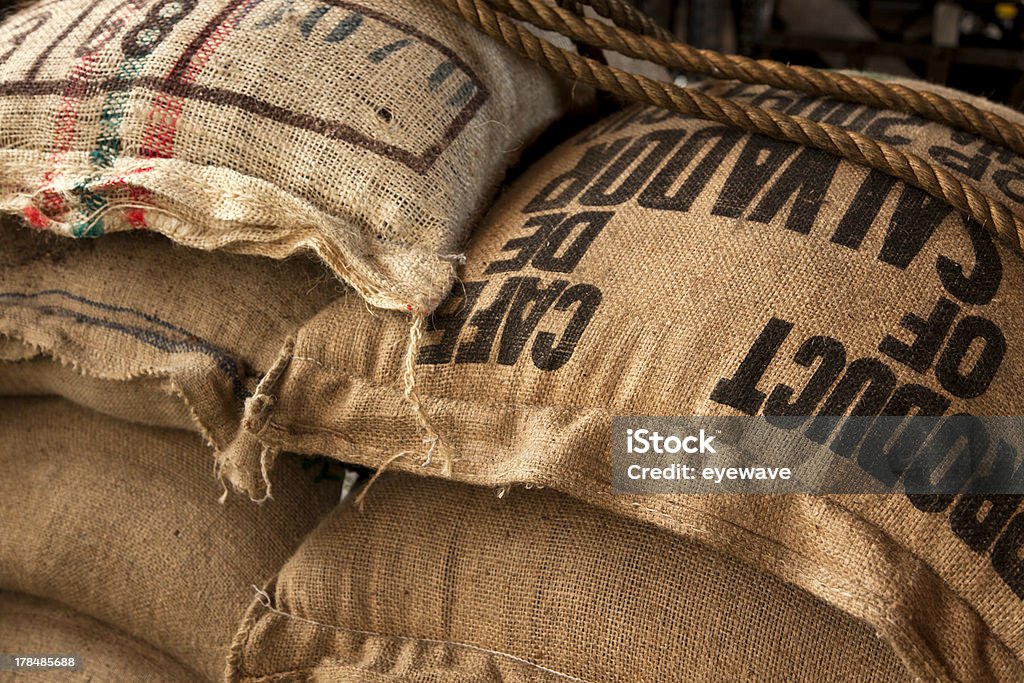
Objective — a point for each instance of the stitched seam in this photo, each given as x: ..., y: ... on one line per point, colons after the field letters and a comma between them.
x: 264, y: 600
x: 445, y: 399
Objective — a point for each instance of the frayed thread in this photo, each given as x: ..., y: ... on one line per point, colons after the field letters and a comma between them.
x: 267, y: 456
x: 436, y: 446
x: 376, y: 475
x: 230, y: 476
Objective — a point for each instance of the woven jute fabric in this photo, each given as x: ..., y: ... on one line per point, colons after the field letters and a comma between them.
x: 994, y: 171
x: 137, y: 327
x: 122, y: 523
x: 660, y: 265
x: 33, y: 626
x: 438, y: 581
x: 372, y: 133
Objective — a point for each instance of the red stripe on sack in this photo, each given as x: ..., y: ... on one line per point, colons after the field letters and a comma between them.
x: 35, y: 217
x: 162, y: 126
x: 75, y: 92
x: 136, y: 218
x: 64, y: 131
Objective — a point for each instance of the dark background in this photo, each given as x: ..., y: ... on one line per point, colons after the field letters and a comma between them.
x: 973, y: 45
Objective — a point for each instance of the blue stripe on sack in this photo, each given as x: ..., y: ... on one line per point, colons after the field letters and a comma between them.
x: 191, y: 344
x: 462, y: 95
x: 345, y: 28
x: 382, y: 53
x: 442, y: 72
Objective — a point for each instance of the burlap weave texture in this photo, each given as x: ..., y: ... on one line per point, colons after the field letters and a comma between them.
x: 372, y: 133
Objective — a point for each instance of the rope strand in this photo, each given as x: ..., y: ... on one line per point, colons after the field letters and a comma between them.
x: 868, y: 91
x: 628, y: 17
x: 856, y: 147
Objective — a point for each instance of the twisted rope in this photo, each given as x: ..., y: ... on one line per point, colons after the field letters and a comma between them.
x: 850, y: 145
x: 868, y: 91
x: 628, y: 17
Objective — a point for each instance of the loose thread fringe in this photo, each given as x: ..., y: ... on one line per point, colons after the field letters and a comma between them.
x: 376, y: 475
x: 437, y: 447
x: 223, y: 485
x: 226, y: 474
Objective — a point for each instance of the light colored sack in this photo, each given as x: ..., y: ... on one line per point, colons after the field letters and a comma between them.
x: 122, y: 523
x: 660, y: 265
x: 437, y: 581
x: 372, y: 133
x: 32, y: 626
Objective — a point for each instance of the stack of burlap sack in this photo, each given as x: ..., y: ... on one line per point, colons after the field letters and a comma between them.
x: 283, y: 196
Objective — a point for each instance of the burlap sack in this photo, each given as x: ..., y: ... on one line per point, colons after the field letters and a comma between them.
x: 436, y: 581
x: 372, y: 133
x: 31, y: 626
x: 658, y: 265
x: 142, y: 329
x: 123, y: 524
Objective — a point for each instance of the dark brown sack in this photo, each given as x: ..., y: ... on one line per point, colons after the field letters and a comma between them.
x: 122, y: 523
x: 32, y: 626
x: 437, y: 581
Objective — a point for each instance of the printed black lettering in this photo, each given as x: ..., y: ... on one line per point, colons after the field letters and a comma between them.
x: 800, y: 104
x: 883, y: 129
x: 977, y: 519
x: 487, y: 322
x: 1006, y: 556
x: 928, y: 336
x: 656, y: 145
x: 873, y: 382
x: 863, y: 210
x: 108, y: 27
x: 975, y: 381
x: 1010, y: 182
x: 549, y: 356
x: 971, y: 166
x: 551, y: 259
x: 962, y: 443
x: 862, y: 116
x: 915, y: 219
x: 656, y: 194
x: 887, y: 462
x: 783, y: 412
x: 527, y: 246
x: 982, y: 284
x: 808, y: 177
x: 740, y: 391
x: 759, y: 159
x: 780, y: 100
x: 280, y: 12
x: 157, y: 24
x: 449, y: 320
x: 519, y: 326
x: 823, y: 109
x: 566, y: 187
